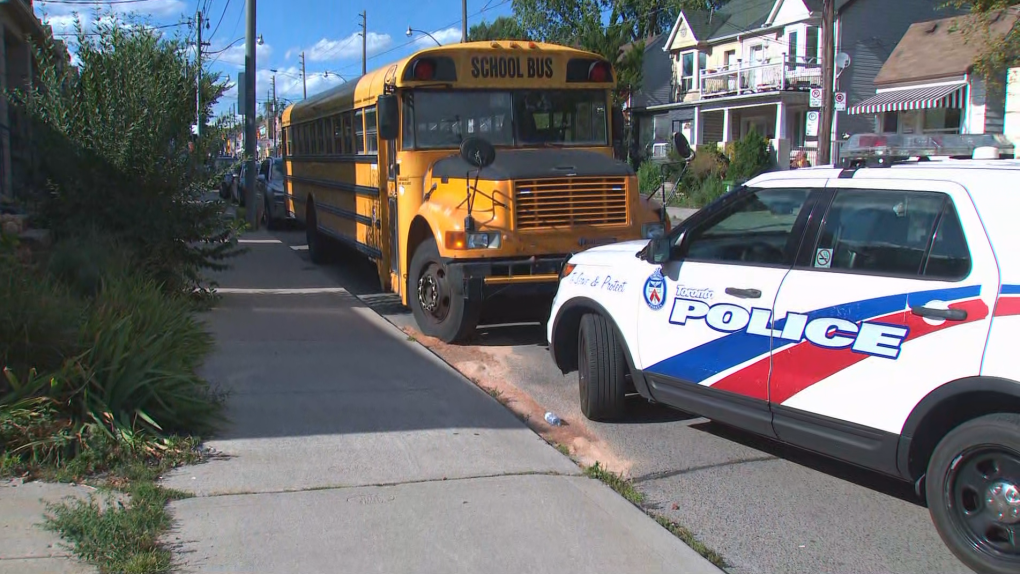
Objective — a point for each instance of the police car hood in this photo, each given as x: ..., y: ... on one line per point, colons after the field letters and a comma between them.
x: 610, y: 254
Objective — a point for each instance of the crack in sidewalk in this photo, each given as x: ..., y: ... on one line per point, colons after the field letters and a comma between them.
x: 389, y: 484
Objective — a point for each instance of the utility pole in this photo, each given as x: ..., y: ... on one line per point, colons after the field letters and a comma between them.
x: 828, y: 81
x: 304, y: 81
x: 251, y: 210
x: 364, y: 42
x: 276, y: 112
x: 198, y: 77
x: 463, y: 23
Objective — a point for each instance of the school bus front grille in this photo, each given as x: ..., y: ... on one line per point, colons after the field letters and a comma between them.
x: 557, y: 202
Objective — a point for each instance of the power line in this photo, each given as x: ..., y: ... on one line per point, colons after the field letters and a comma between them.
x: 450, y: 25
x: 222, y: 14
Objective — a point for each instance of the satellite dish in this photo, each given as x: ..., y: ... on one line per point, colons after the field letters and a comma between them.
x: 842, y: 60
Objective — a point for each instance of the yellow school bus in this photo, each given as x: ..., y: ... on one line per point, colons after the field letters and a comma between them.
x: 375, y: 163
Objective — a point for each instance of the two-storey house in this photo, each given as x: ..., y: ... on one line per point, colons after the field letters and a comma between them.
x: 752, y: 64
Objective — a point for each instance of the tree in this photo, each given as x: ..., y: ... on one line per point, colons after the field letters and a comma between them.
x: 125, y: 161
x: 502, y: 28
x: 559, y: 21
x: 1000, y: 52
x: 609, y: 43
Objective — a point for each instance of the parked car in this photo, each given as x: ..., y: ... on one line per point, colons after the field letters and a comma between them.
x: 238, y: 186
x: 868, y: 313
x: 224, y: 165
x: 273, y: 193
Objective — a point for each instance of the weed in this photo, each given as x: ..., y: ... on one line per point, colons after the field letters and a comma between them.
x: 616, y: 482
x: 496, y: 394
x: 564, y: 449
x: 688, y: 538
x: 411, y: 338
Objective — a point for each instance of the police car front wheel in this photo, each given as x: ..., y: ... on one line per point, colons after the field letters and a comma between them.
x: 973, y: 492
x: 601, y: 369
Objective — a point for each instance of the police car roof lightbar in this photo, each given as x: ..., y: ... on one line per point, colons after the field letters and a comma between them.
x: 886, y: 149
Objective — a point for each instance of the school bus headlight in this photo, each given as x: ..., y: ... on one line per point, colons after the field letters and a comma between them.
x: 473, y: 240
x: 652, y: 230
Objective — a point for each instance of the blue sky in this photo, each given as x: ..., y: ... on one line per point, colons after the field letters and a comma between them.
x: 326, y: 30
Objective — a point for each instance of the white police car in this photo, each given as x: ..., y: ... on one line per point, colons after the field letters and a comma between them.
x: 869, y: 313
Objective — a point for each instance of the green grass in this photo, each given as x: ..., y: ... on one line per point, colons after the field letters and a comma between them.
x: 625, y: 489
x: 688, y: 538
x: 114, y: 535
x: 621, y: 485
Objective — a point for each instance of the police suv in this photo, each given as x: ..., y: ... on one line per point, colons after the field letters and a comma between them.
x: 868, y: 312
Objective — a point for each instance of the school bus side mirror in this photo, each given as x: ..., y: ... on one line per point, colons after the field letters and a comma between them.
x: 389, y: 117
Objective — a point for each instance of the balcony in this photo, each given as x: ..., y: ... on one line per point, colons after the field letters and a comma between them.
x: 800, y: 75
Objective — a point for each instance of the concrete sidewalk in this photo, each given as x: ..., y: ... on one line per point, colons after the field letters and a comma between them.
x: 353, y: 449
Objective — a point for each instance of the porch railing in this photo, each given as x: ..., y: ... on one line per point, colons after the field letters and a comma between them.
x: 800, y: 74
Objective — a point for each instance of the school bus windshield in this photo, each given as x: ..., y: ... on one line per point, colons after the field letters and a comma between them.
x: 441, y: 120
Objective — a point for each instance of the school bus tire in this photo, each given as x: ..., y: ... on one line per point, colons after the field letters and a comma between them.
x: 438, y: 306
x: 316, y: 249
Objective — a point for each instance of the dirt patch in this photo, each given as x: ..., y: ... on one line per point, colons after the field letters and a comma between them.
x: 488, y: 369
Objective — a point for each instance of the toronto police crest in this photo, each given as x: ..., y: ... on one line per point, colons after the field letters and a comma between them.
x: 655, y: 290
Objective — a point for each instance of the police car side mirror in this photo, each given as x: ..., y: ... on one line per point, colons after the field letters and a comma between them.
x: 658, y: 250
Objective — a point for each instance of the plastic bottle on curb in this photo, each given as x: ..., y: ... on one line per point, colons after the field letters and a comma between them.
x: 553, y: 419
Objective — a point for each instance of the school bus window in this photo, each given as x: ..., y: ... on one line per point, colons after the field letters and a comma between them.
x: 320, y: 137
x: 338, y: 136
x: 371, y: 131
x: 359, y: 131
x: 407, y: 132
x: 548, y: 116
x: 348, y: 134
x: 442, y: 119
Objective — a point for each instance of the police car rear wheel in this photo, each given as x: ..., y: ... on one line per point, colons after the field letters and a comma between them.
x: 973, y: 492
x: 601, y: 369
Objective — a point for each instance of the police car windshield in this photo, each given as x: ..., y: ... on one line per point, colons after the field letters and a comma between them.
x: 522, y: 118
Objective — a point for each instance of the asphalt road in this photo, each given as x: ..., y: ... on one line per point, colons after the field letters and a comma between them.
x: 765, y: 507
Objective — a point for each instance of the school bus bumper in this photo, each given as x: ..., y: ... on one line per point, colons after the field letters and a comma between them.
x: 526, y: 275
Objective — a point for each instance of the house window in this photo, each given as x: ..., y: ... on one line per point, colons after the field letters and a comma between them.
x: 942, y: 121
x: 890, y: 122
x: 794, y: 47
x: 730, y: 59
x: 812, y: 43
x: 687, y: 71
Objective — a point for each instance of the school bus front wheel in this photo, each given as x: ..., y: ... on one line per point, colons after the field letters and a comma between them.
x: 437, y: 299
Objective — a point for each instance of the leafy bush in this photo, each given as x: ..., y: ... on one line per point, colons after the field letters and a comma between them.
x: 117, y: 355
x: 123, y: 161
x: 751, y: 157
x: 649, y: 177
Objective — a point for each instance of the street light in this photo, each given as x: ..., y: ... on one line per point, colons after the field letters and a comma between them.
x: 410, y: 32
x: 326, y: 73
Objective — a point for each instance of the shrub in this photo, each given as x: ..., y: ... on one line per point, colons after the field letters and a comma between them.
x: 123, y: 161
x: 751, y: 157
x: 649, y: 177
x: 117, y: 355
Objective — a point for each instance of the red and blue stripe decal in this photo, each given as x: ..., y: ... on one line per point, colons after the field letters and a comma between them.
x: 798, y: 365
x: 1009, y: 301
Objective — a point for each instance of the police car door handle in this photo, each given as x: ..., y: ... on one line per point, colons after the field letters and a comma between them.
x: 947, y: 314
x: 743, y: 293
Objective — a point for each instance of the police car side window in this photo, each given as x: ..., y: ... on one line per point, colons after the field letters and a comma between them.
x: 886, y: 232
x: 755, y: 229
x: 950, y: 256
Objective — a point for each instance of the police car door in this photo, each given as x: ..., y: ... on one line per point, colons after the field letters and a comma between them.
x: 702, y: 328
x: 863, y: 333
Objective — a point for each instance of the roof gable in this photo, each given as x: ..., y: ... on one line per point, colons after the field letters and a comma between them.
x: 937, y: 49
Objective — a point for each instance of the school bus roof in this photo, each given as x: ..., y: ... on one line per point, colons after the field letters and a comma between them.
x: 362, y: 91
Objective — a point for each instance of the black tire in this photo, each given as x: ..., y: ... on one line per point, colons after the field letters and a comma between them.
x: 601, y: 369
x: 435, y: 295
x: 967, y: 465
x: 316, y: 249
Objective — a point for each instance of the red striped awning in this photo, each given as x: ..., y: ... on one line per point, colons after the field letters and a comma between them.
x: 947, y: 96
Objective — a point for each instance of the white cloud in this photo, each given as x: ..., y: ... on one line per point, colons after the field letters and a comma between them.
x: 290, y: 53
x: 348, y: 48
x: 445, y: 36
x: 235, y: 54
